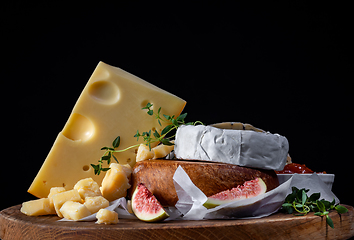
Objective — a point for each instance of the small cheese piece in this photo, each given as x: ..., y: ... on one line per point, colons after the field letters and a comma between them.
x: 241, y: 147
x: 74, y: 210
x: 144, y: 153
x: 60, y: 198
x: 116, y: 182
x: 110, y: 105
x: 162, y: 151
x: 36, y: 207
x: 105, y: 216
x: 53, y: 191
x: 87, y: 188
x: 94, y: 204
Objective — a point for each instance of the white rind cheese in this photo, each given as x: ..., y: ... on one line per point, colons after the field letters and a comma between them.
x: 241, y: 147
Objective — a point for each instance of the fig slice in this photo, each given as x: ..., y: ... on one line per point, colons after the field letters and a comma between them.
x: 145, y: 205
x: 247, y: 190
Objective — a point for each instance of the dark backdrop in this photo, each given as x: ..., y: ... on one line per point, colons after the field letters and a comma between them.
x: 284, y: 67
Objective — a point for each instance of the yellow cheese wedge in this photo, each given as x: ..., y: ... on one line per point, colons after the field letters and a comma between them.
x: 109, y: 106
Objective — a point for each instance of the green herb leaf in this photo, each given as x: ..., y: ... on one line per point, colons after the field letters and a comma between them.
x: 341, y: 209
x: 116, y: 142
x: 329, y: 221
x: 96, y: 168
x: 156, y: 134
x: 287, y: 205
x: 166, y: 129
x: 148, y: 106
x: 166, y: 142
x: 181, y: 117
x: 320, y: 206
x: 304, y: 198
x: 299, y: 205
x: 314, y: 197
x: 115, y: 158
x: 105, y: 158
x: 137, y: 135
x: 167, y: 116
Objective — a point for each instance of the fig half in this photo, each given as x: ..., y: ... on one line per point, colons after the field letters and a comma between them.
x: 145, y: 205
x: 247, y: 190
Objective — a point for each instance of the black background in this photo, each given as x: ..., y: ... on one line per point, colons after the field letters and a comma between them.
x: 284, y: 66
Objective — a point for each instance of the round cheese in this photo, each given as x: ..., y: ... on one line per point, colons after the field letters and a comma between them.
x: 241, y: 147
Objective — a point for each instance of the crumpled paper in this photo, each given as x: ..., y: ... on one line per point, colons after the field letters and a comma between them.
x: 191, y: 200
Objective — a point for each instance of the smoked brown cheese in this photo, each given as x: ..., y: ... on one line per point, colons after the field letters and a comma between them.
x: 209, y: 177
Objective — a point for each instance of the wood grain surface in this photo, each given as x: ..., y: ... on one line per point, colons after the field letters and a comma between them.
x: 15, y: 225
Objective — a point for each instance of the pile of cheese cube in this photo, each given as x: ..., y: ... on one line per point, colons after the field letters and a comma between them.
x: 85, y: 199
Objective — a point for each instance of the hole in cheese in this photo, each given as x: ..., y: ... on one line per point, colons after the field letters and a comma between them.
x: 145, y: 102
x: 86, y: 167
x: 78, y: 127
x: 104, y: 92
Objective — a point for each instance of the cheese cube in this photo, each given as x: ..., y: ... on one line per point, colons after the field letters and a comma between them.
x: 116, y: 182
x: 87, y: 188
x: 36, y: 207
x: 109, y: 105
x: 107, y: 217
x: 52, y: 192
x: 94, y: 204
x: 74, y: 210
x: 162, y: 151
x: 144, y: 153
x: 60, y: 198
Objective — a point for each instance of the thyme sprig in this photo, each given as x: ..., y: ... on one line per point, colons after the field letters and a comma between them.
x: 173, y: 124
x: 299, y: 204
x: 149, y: 137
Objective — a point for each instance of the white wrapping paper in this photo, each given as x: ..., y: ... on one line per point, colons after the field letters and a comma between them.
x: 191, y: 200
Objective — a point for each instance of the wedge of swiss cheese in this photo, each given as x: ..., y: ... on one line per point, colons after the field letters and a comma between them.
x: 109, y: 106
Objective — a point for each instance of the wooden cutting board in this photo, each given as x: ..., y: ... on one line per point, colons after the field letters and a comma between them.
x: 15, y: 225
